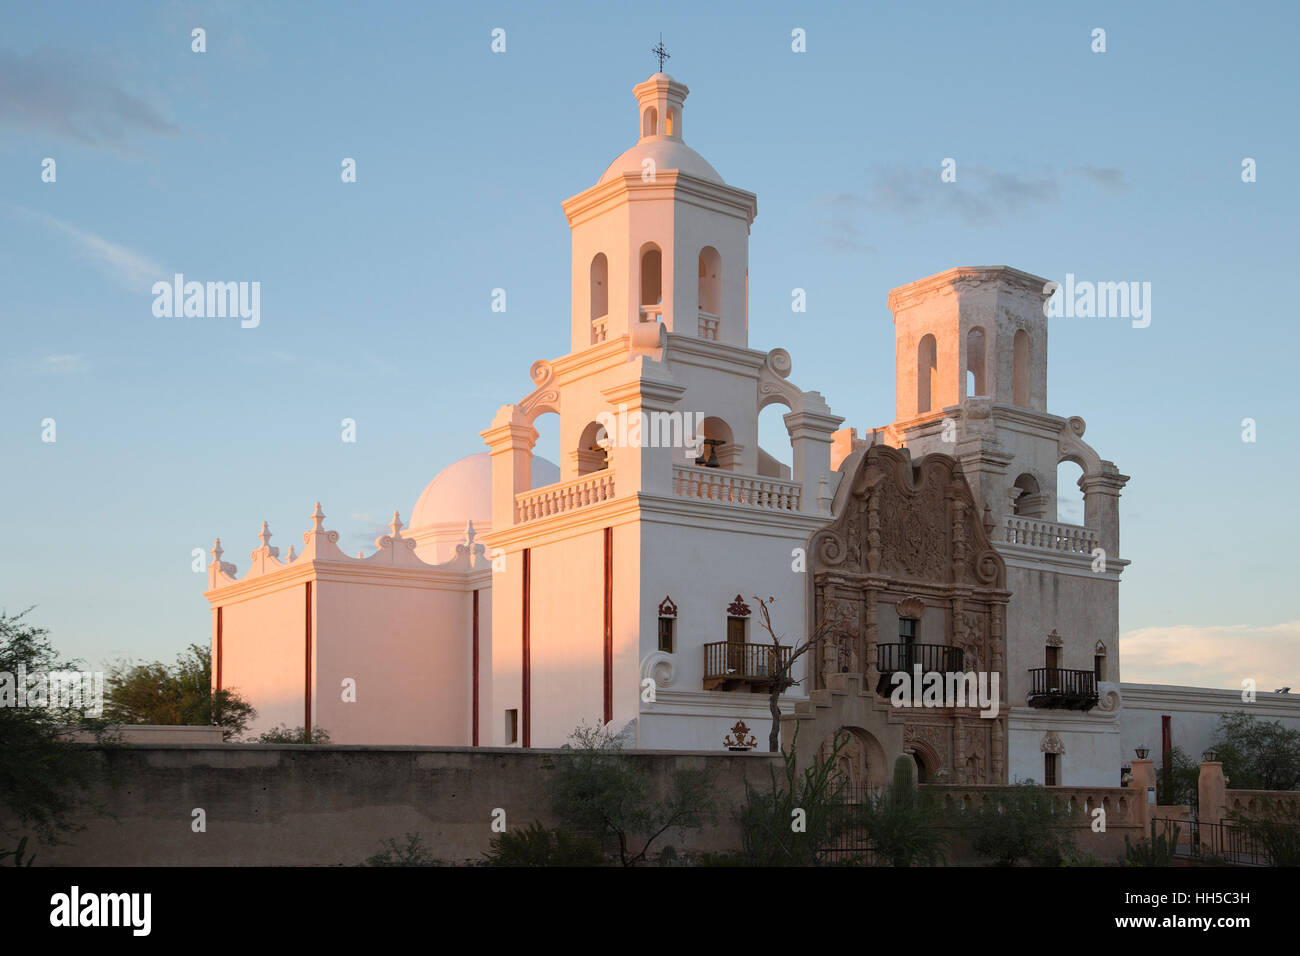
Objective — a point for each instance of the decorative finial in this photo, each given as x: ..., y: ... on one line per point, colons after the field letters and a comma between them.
x: 265, y: 535
x: 660, y: 52
x: 318, y: 519
x: 291, y: 554
x: 217, y: 552
x: 395, y: 525
x: 470, y: 534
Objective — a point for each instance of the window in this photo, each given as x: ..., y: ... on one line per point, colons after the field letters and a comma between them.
x: 1020, y: 368
x: 1051, y: 769
x: 512, y: 726
x: 650, y: 122
x: 927, y: 358
x: 1099, y: 667
x: 736, y: 644
x: 651, y: 283
x: 666, y: 627
x: 599, y: 286
x: 906, y: 637
x: 976, y: 381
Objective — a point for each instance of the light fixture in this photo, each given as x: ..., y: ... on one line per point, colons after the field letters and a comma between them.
x: 1210, y: 755
x: 1142, y: 752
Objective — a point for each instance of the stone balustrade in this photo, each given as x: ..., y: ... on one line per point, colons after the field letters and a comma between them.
x: 1050, y: 535
x: 564, y: 496
x: 753, y: 491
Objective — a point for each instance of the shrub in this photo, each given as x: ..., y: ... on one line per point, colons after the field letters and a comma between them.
x: 535, y: 845
x: 412, y: 854
x: 1019, y: 823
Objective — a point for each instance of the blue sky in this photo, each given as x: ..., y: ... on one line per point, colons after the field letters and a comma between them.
x: 1123, y: 165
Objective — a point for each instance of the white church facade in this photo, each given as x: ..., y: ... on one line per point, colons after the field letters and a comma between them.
x: 618, y: 586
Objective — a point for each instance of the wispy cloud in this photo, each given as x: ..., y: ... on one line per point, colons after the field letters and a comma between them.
x: 63, y: 364
x: 981, y: 194
x: 1213, y: 656
x: 130, y: 269
x: 74, y: 98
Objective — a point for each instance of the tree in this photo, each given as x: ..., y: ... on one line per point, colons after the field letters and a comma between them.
x: 598, y: 790
x: 1258, y: 754
x: 1019, y: 823
x: 1182, y: 780
x: 780, y: 669
x: 154, y: 693
x: 45, y: 779
x: 793, y: 822
x: 282, y: 734
x: 903, y: 823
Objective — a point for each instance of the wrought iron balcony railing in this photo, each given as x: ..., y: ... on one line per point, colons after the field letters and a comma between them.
x: 730, y: 664
x: 1057, y: 687
x: 932, y: 658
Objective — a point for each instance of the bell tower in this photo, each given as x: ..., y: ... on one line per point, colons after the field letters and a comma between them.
x: 974, y: 332
x: 660, y: 238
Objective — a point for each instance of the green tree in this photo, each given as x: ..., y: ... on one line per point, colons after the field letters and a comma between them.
x: 1258, y: 754
x: 1184, y: 778
x: 46, y: 780
x: 412, y: 853
x: 903, y: 823
x: 800, y: 814
x: 1019, y: 823
x: 154, y: 693
x: 598, y: 790
x: 283, y: 734
x: 1275, y: 829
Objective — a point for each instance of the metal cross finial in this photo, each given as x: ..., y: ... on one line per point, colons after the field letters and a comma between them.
x: 660, y: 52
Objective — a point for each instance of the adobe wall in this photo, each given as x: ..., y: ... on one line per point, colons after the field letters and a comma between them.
x: 295, y: 805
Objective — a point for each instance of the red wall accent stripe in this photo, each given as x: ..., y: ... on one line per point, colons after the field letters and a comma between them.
x: 306, y: 720
x: 474, y: 694
x: 609, y: 624
x: 218, y: 648
x: 527, y: 701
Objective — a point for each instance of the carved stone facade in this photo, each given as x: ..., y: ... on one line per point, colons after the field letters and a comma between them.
x: 908, y: 545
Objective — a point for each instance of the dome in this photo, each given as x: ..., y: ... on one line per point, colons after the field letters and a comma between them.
x: 463, y: 492
x: 668, y: 153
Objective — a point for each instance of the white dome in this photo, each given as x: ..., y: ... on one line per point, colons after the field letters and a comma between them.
x: 667, y: 154
x: 463, y: 492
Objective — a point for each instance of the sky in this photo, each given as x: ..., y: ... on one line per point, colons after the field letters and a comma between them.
x: 224, y: 165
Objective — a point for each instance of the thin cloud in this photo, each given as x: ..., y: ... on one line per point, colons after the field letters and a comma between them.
x: 63, y: 364
x: 1213, y: 656
x: 980, y: 194
x: 132, y: 270
x: 76, y: 99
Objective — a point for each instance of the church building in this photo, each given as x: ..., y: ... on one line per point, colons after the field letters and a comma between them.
x: 620, y: 585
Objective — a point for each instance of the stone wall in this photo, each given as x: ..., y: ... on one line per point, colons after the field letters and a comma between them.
x: 295, y: 805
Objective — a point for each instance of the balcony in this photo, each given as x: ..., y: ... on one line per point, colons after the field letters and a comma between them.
x: 751, y: 491
x: 709, y: 325
x: 932, y: 658
x: 564, y: 496
x: 733, y: 666
x: 1058, y: 688
x: 1048, y: 535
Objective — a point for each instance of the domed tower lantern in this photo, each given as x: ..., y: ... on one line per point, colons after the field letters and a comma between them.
x: 661, y: 238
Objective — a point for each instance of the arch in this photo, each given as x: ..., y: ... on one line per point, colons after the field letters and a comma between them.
x: 710, y: 274
x: 592, y: 453
x: 1070, y: 505
x: 1020, y: 368
x: 651, y: 277
x: 926, y: 759
x: 649, y: 122
x: 775, y: 447
x: 718, y: 449
x: 927, y: 357
x: 976, y: 362
x: 1030, y: 502
x: 599, y: 286
x: 673, y: 125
